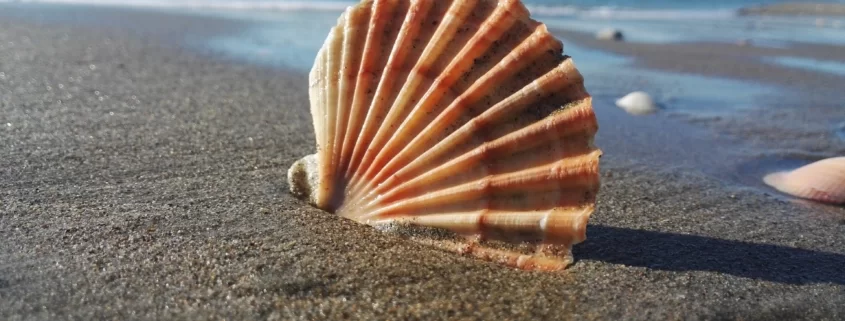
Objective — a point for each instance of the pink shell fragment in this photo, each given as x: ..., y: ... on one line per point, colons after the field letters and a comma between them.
x: 822, y: 181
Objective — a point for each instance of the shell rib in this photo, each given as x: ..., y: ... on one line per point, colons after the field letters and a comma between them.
x: 822, y: 181
x: 461, y: 116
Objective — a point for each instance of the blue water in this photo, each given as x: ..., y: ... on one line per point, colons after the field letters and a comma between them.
x: 710, y: 27
x: 611, y: 76
x: 280, y: 38
x: 698, y: 4
x: 288, y: 33
x: 831, y: 67
x: 654, y: 21
x: 541, y: 6
x: 840, y: 132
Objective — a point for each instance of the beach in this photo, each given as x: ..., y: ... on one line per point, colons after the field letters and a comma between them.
x: 143, y: 178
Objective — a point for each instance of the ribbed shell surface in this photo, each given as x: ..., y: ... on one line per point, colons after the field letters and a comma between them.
x: 462, y: 115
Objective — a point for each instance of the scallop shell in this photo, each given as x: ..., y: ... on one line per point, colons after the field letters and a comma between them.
x: 822, y: 181
x: 459, y: 116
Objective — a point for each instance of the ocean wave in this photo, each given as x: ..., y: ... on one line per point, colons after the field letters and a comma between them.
x: 603, y: 12
x: 229, y: 5
x: 631, y: 13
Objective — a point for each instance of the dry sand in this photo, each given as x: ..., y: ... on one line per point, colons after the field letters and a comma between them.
x: 142, y: 181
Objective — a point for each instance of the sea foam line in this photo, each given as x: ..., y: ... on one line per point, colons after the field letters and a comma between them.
x: 283, y: 6
x: 231, y: 5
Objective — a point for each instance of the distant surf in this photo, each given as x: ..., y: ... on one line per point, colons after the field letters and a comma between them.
x: 609, y: 12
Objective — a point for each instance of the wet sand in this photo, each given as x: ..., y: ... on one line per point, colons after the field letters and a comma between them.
x: 140, y: 180
x: 800, y: 119
x: 725, y: 59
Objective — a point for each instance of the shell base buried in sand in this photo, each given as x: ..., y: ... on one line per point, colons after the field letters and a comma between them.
x: 302, y: 179
x: 526, y: 256
x: 462, y: 116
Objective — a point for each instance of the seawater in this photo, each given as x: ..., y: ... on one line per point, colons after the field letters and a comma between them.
x: 290, y: 38
x: 825, y: 66
x: 287, y: 34
x: 339, y: 4
x: 609, y: 76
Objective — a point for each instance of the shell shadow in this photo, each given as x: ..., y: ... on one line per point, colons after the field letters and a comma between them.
x: 678, y: 252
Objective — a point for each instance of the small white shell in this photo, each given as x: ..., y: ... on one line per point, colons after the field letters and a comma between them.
x: 637, y: 103
x: 822, y: 181
x: 610, y: 34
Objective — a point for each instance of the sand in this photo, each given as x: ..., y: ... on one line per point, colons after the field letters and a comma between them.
x: 141, y: 180
x: 725, y: 59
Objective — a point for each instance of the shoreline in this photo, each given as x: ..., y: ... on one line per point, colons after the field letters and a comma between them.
x: 796, y: 9
x: 708, y: 59
x: 153, y: 186
x: 795, y: 114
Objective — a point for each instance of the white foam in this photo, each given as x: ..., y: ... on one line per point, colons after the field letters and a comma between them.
x: 605, y: 12
x: 208, y: 4
x: 270, y: 5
